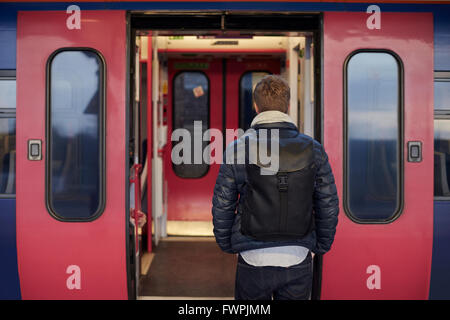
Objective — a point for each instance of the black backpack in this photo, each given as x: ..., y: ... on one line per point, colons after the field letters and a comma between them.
x: 279, y: 207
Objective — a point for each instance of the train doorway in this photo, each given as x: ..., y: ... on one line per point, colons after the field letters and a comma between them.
x: 199, y: 70
x: 222, y: 100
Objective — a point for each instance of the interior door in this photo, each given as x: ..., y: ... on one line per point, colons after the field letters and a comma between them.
x: 190, y: 187
x: 71, y: 215
x: 195, y: 94
x: 378, y: 133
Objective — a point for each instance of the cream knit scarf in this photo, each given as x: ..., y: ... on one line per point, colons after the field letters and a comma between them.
x: 271, y: 117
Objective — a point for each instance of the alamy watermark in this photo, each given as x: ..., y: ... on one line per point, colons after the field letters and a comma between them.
x: 198, y: 146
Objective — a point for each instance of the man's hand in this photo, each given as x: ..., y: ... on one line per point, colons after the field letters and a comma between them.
x: 142, y: 218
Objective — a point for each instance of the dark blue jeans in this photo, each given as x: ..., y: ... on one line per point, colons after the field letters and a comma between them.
x: 279, y: 283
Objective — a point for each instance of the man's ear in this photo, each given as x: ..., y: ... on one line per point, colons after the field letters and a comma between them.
x: 256, y: 107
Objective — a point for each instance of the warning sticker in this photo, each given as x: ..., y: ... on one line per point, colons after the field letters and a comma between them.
x: 198, y: 91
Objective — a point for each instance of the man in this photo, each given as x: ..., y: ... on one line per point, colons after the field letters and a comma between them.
x: 276, y: 264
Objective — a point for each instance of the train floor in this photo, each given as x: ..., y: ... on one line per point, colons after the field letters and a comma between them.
x: 189, y: 267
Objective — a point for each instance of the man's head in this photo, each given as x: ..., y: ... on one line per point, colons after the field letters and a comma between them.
x: 272, y: 93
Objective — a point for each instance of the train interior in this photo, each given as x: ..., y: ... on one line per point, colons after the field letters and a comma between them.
x: 180, y: 76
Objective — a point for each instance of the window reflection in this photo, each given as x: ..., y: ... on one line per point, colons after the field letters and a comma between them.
x: 191, y: 103
x: 75, y: 134
x: 246, y: 109
x: 373, y: 163
x: 441, y: 158
x: 7, y: 155
x: 7, y: 93
x: 442, y: 94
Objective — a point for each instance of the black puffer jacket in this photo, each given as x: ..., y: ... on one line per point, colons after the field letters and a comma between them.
x: 229, y: 190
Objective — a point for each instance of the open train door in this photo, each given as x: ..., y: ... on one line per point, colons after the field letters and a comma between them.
x: 71, y: 154
x: 378, y: 133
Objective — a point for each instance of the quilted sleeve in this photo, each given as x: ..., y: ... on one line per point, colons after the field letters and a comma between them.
x: 326, y: 204
x: 225, y: 200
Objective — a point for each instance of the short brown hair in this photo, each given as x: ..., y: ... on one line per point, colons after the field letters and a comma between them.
x: 272, y: 93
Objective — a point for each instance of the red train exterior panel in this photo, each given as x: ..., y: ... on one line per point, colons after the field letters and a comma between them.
x: 401, y: 249
x: 51, y: 251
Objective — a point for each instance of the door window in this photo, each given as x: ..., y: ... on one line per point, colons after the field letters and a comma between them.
x: 191, y: 104
x: 246, y: 85
x: 373, y: 136
x: 7, y: 137
x: 442, y: 135
x: 75, y: 135
x: 7, y: 93
x: 442, y: 158
x: 442, y: 94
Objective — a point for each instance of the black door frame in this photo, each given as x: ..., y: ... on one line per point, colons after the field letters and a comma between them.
x: 261, y: 22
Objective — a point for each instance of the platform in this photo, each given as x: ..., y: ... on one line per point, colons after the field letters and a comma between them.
x: 189, y: 267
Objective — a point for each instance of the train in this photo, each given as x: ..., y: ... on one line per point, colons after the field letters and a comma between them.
x: 91, y: 93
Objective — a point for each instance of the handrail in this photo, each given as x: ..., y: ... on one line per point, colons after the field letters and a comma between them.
x: 136, y: 213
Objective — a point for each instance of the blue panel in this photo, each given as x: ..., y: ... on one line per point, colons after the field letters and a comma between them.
x: 141, y: 5
x: 9, y: 277
x: 442, y: 39
x: 8, y: 24
x: 272, y: 6
x: 7, y: 49
x: 264, y: 5
x: 440, y: 275
x: 8, y: 16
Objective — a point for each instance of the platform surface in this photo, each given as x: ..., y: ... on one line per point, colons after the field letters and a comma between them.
x: 189, y: 267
